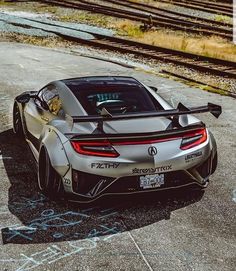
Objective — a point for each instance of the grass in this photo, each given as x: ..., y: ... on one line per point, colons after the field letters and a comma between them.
x: 50, y: 42
x: 3, y: 3
x: 207, y: 46
x: 212, y: 89
x: 85, y: 17
x: 153, y: 3
x: 223, y: 19
x: 127, y: 28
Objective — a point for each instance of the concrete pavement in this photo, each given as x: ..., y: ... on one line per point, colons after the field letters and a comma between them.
x: 171, y: 231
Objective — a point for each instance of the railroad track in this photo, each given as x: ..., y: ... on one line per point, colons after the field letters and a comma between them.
x: 229, y: 2
x: 192, y: 61
x: 167, y: 13
x: 210, y: 4
x: 208, y: 65
x: 207, y: 6
x: 158, y: 19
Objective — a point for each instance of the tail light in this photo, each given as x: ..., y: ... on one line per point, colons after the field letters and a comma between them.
x: 98, y: 148
x: 193, y: 139
x: 104, y: 148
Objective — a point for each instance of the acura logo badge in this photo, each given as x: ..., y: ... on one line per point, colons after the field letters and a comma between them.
x: 152, y: 151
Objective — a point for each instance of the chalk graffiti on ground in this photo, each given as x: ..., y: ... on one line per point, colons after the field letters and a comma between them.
x: 54, y: 253
x: 50, y: 222
x: 53, y: 224
x: 28, y: 203
x: 59, y: 226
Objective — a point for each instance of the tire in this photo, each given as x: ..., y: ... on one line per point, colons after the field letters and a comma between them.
x: 49, y: 181
x: 17, y: 123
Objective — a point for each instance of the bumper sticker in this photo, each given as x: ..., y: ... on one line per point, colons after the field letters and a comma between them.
x: 105, y: 165
x: 151, y: 170
x: 193, y: 156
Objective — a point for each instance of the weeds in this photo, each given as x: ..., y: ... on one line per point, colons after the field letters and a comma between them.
x: 207, y: 46
x: 51, y: 42
x: 3, y: 3
x: 223, y: 19
x: 128, y: 28
x: 85, y: 17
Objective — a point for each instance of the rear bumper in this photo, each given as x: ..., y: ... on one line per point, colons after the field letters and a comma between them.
x: 73, y: 197
x: 89, y: 187
x: 135, y: 160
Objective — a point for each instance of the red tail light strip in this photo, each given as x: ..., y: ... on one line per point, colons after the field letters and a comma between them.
x: 104, y: 148
x: 167, y: 138
x: 194, y: 139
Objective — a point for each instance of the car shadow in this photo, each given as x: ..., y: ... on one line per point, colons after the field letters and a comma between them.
x: 43, y: 220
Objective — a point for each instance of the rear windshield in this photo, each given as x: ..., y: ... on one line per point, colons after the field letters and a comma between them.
x: 117, y: 99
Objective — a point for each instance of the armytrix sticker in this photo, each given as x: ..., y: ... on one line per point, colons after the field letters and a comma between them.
x: 192, y: 156
x: 105, y: 165
x: 151, y: 170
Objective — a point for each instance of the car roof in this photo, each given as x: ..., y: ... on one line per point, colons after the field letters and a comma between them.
x: 71, y: 105
x: 98, y: 80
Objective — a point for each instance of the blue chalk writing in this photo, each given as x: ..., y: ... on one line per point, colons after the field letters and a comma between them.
x: 28, y: 203
x: 108, y: 215
x: 22, y: 232
x: 54, y: 253
x: 53, y: 224
x: 49, y: 219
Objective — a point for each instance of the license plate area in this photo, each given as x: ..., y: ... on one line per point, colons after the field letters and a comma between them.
x: 152, y: 181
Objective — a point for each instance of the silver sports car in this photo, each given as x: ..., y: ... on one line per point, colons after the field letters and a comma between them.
x: 103, y: 135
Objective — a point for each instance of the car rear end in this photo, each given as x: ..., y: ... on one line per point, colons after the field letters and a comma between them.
x: 130, y: 140
x: 122, y: 164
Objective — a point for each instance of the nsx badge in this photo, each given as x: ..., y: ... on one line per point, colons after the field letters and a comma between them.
x: 104, y: 165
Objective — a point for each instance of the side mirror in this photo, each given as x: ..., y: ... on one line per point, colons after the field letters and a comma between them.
x: 154, y: 88
x: 23, y: 98
x: 44, y: 105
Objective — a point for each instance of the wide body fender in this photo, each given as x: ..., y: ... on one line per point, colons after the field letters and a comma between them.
x: 55, y: 149
x: 20, y: 107
x: 213, y: 143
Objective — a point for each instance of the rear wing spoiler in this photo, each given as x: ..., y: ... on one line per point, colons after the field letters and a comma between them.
x: 214, y: 109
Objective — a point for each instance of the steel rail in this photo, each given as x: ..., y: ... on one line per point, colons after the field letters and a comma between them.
x: 193, y: 61
x: 200, y: 63
x: 181, y: 18
x: 162, y: 11
x: 223, y: 6
x: 197, y: 6
x: 158, y: 20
